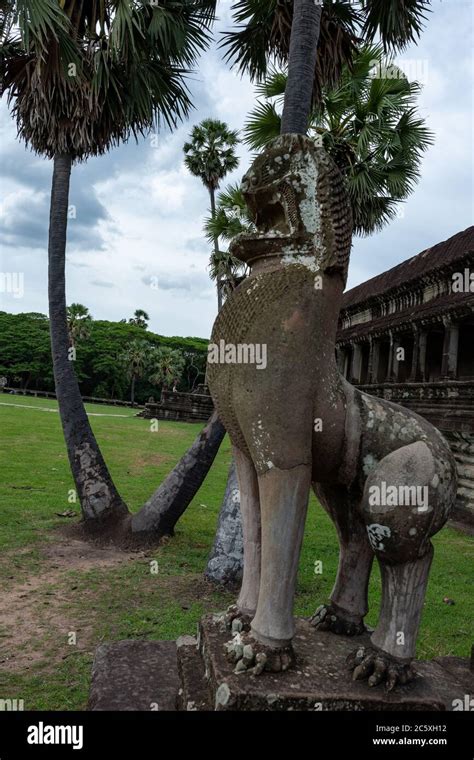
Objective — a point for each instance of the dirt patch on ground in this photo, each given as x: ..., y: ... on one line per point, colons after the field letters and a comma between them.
x: 36, y: 615
x: 73, y: 554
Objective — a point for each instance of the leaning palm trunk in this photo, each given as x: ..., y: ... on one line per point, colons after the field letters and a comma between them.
x: 97, y: 494
x: 226, y: 561
x: 100, y: 501
x: 161, y: 513
x: 225, y: 564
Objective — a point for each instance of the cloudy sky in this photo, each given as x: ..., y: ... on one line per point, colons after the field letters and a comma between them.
x: 140, y: 214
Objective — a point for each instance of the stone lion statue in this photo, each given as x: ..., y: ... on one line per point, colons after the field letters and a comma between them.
x: 385, y: 476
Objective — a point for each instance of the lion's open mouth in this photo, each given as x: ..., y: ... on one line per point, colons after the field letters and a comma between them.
x: 272, y: 218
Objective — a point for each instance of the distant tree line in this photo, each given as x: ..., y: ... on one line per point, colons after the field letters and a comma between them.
x: 112, y: 359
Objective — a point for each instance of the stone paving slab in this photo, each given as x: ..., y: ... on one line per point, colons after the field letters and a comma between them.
x: 135, y: 675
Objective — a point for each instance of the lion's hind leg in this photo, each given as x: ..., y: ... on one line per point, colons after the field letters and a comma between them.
x: 348, y: 601
x: 403, y: 505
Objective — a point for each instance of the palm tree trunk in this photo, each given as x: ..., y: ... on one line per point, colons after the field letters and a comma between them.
x: 212, y: 193
x: 97, y: 494
x: 162, y: 511
x: 301, y: 66
x: 226, y: 561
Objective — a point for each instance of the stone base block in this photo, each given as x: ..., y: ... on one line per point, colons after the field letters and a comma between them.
x: 194, y: 693
x: 195, y: 675
x: 320, y: 680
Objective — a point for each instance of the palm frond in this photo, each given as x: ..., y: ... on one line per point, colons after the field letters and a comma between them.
x: 273, y: 85
x: 262, y: 125
x: 231, y: 218
x: 396, y: 23
x: 227, y: 270
x: 262, y: 28
x: 370, y: 126
x: 85, y: 75
x: 261, y: 38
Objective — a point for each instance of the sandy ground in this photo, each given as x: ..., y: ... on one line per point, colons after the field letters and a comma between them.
x: 35, y: 615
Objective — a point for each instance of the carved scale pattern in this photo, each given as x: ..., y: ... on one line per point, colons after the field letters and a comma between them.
x: 238, y: 314
x: 335, y: 210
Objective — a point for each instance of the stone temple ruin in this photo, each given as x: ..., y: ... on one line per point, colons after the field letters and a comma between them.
x: 181, y: 407
x: 424, y: 306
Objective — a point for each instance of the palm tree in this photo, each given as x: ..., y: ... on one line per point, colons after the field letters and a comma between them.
x: 228, y: 270
x: 78, y: 323
x: 140, y: 319
x: 81, y: 77
x: 134, y: 360
x: 167, y: 367
x: 210, y: 155
x: 231, y: 218
x: 231, y: 215
x: 368, y: 125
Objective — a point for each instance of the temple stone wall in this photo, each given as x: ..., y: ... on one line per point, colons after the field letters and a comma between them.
x: 407, y: 336
x: 449, y: 406
x: 462, y: 446
x: 180, y: 407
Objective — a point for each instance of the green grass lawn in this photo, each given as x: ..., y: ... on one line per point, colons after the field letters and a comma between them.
x: 45, y: 597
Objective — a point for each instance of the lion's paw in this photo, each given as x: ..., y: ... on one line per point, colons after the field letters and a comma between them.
x: 236, y: 620
x: 329, y: 618
x: 379, y: 667
x: 250, y: 655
